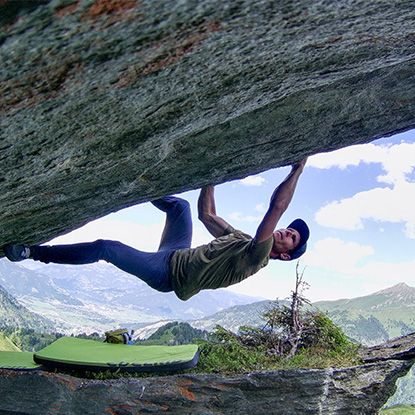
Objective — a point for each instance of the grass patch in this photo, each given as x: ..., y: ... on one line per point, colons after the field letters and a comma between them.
x: 229, y: 356
x: 398, y: 410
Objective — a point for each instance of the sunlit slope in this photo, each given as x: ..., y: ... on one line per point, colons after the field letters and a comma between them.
x: 377, y: 317
x: 13, y: 314
x: 6, y: 345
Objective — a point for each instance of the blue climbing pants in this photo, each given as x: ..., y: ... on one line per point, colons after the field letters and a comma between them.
x: 151, y: 267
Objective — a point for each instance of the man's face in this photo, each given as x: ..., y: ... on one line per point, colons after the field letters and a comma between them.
x: 285, y: 240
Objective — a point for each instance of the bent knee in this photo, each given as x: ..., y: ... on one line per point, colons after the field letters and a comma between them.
x: 106, y: 248
x: 104, y: 244
x: 183, y: 204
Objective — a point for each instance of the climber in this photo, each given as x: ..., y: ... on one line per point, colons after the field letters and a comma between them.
x: 230, y: 258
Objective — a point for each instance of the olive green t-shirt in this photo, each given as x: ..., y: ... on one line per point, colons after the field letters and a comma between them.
x: 226, y: 260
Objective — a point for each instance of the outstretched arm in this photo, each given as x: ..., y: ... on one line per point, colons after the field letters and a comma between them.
x: 280, y: 200
x: 207, y: 212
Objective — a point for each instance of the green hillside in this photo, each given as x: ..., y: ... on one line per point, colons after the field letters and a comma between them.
x: 375, y: 318
x: 176, y: 333
x: 6, y: 345
x: 370, y: 320
x: 234, y: 317
x: 13, y: 314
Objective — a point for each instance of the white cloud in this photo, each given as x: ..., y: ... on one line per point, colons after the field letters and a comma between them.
x: 379, y: 204
x: 143, y: 237
x: 276, y: 280
x: 338, y: 215
x: 260, y: 208
x: 410, y: 229
x: 348, y: 269
x: 334, y: 269
x: 385, y: 274
x: 397, y: 160
x: 253, y: 181
x: 139, y: 236
x: 355, y: 281
x: 200, y: 236
x: 240, y: 217
x: 337, y: 260
x: 336, y: 255
x: 388, y: 204
x: 348, y: 156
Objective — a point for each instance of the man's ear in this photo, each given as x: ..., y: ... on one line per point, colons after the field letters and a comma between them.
x: 285, y: 257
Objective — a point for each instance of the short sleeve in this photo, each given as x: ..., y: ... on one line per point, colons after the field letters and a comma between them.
x: 262, y: 248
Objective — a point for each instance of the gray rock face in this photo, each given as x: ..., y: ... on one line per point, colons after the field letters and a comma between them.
x: 356, y: 390
x: 109, y: 103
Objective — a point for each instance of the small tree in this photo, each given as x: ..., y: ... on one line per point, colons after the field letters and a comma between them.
x: 297, y: 301
x: 294, y: 335
x: 289, y: 329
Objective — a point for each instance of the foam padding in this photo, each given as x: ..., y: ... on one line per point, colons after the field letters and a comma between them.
x: 18, y: 361
x: 74, y: 353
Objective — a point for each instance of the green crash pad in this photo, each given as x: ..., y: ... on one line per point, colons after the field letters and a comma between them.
x: 17, y: 361
x: 74, y: 353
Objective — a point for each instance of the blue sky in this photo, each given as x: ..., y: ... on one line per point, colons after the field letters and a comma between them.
x: 360, y: 206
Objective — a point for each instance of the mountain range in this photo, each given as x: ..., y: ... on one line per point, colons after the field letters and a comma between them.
x: 370, y: 320
x: 234, y: 317
x: 375, y: 318
x: 98, y: 297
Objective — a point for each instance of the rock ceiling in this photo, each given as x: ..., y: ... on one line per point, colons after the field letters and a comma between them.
x: 109, y: 103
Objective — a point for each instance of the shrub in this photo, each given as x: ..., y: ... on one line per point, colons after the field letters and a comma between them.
x: 290, y: 337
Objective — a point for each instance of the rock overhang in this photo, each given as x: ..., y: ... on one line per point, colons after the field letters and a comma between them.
x: 109, y: 103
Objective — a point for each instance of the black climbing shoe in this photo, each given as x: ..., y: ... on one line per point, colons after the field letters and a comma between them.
x: 16, y: 253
